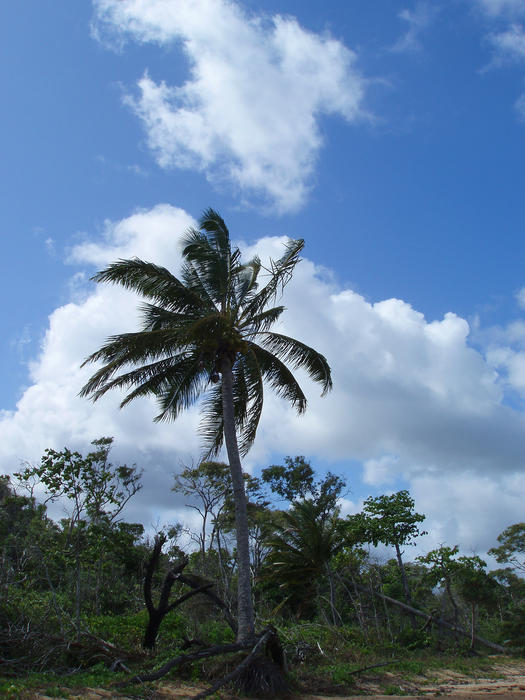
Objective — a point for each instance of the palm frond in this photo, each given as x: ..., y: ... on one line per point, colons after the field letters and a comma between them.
x: 194, y: 278
x: 151, y: 380
x: 218, y: 234
x: 211, y: 426
x: 182, y: 387
x: 151, y: 281
x: 141, y: 346
x: 104, y: 380
x: 245, y: 278
x: 279, y: 377
x: 261, y: 322
x: 280, y: 274
x: 209, y: 251
x: 156, y: 318
x: 300, y: 356
x: 248, y: 367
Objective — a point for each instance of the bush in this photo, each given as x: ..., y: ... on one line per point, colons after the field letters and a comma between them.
x: 513, y: 627
x: 127, y: 631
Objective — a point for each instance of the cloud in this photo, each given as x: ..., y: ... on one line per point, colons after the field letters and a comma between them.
x: 418, y: 20
x: 380, y: 471
x: 509, y: 49
x: 509, y: 45
x: 520, y: 297
x: 469, y: 510
x: 506, y: 8
x: 412, y: 400
x: 506, y: 353
x: 249, y: 114
x: 519, y: 106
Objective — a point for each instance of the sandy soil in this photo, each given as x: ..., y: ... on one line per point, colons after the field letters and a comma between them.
x: 507, y: 679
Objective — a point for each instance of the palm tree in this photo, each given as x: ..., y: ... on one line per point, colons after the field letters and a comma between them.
x: 207, y: 337
x: 306, y: 539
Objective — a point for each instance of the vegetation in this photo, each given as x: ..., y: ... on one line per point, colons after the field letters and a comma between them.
x: 79, y: 593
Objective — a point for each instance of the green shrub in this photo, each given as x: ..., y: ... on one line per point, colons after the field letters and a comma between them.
x: 513, y: 628
x: 216, y: 632
x: 128, y: 630
x: 413, y: 638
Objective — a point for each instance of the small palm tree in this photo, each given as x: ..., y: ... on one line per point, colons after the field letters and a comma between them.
x: 305, y: 540
x: 206, y: 336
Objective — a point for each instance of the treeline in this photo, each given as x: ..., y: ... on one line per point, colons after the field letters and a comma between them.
x: 60, y: 578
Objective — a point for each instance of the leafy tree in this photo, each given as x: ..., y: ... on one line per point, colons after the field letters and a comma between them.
x: 511, y: 549
x: 210, y: 483
x: 442, y: 567
x: 207, y: 336
x: 465, y: 577
x: 24, y: 526
x: 392, y: 521
x: 511, y: 586
x: 95, y: 488
x: 293, y: 480
x: 420, y: 588
x: 475, y: 586
x: 96, y: 491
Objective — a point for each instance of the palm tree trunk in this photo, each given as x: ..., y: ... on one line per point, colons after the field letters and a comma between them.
x: 245, y: 614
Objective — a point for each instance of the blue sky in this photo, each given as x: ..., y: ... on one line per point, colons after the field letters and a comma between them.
x: 389, y: 135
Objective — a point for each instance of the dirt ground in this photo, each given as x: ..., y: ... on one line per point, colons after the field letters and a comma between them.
x: 505, y: 679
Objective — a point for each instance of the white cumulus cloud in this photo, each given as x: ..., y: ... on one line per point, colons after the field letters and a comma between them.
x: 249, y: 113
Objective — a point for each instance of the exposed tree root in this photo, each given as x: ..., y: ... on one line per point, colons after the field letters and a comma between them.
x: 238, y: 670
x: 257, y: 673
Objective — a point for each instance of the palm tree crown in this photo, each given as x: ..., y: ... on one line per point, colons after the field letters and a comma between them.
x: 216, y: 311
x: 306, y: 539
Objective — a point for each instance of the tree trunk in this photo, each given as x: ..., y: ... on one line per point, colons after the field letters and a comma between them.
x: 245, y: 614
x: 473, y: 626
x: 454, y: 604
x: 77, y: 589
x: 152, y: 629
x: 406, y: 589
x: 333, y: 609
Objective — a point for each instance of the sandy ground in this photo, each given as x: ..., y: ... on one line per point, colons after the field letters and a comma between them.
x: 507, y: 679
